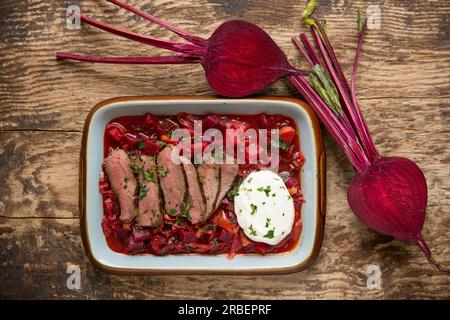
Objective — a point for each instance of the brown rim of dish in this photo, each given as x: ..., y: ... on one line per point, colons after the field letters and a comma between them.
x: 320, y: 214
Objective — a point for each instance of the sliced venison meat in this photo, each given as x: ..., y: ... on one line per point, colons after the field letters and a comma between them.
x: 123, y: 183
x: 172, y: 181
x: 209, y: 176
x: 194, y: 207
x: 228, y: 173
x: 149, y: 196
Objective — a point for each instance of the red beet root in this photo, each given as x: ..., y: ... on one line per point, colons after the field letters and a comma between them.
x: 387, y: 194
x: 391, y: 197
x: 239, y: 58
x: 242, y: 59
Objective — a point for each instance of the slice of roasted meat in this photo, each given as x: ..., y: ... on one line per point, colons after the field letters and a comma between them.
x: 228, y: 173
x: 123, y: 183
x: 194, y: 207
x: 209, y: 177
x: 150, y: 214
x: 172, y: 181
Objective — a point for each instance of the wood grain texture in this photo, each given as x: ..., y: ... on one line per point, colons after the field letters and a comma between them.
x: 404, y: 90
x: 407, y: 57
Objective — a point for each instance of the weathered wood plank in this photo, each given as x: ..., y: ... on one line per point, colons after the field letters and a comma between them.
x: 40, y: 250
x: 39, y: 174
x: 408, y: 57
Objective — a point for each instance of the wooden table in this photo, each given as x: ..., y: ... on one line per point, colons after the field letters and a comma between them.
x: 403, y: 87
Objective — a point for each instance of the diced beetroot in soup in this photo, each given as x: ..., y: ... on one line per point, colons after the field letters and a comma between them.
x: 143, y: 137
x: 233, y: 124
x: 151, y: 148
x: 292, y: 182
x: 151, y: 121
x: 277, y: 121
x: 130, y: 139
x: 187, y: 236
x: 211, y: 121
x: 166, y: 126
x: 261, y: 248
x: 224, y: 236
x: 251, y: 154
x: 262, y: 121
x: 227, y: 204
x: 187, y: 120
x: 199, y: 145
x: 140, y: 235
x: 116, y: 131
x: 111, y: 208
x: 123, y: 234
x: 135, y: 246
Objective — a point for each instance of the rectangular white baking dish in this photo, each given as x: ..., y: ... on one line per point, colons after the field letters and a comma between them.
x: 312, y: 181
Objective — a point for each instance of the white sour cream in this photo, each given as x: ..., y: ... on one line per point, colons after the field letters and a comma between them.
x: 264, y: 209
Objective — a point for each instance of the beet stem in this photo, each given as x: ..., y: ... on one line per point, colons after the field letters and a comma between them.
x: 186, y: 48
x: 130, y: 60
x: 339, y: 84
x: 182, y: 33
x: 342, y: 137
x: 314, y: 58
x: 333, y: 57
x: 352, y: 109
x: 366, y: 138
x: 309, y: 48
x: 423, y: 246
x: 305, y: 54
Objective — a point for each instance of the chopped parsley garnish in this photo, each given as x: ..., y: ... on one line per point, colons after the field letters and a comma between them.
x: 235, y: 190
x: 135, y: 168
x: 267, y: 222
x: 187, y: 205
x: 149, y: 175
x: 264, y: 203
x: 280, y: 144
x: 270, y: 234
x: 252, y: 231
x: 172, y: 211
x: 178, y: 221
x: 266, y: 190
x: 249, y: 180
x: 283, y: 145
x: 207, y: 227
x: 201, y: 179
x: 162, y: 170
x: 163, y: 144
x: 142, y: 191
x: 141, y: 145
x: 137, y: 129
x: 274, y: 194
x: 254, y: 208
